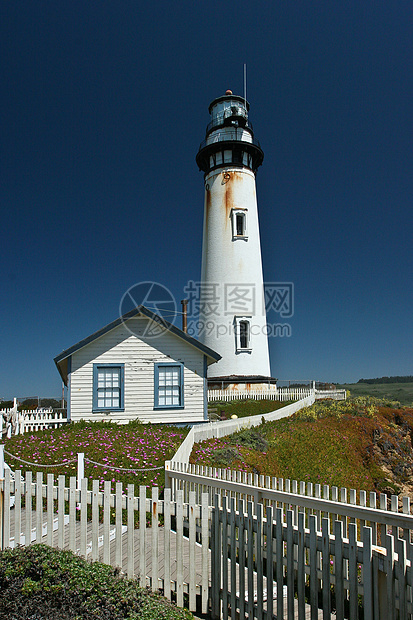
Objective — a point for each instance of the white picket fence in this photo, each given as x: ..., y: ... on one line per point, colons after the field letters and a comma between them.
x: 239, y: 558
x: 350, y: 505
x: 273, y: 393
x: 33, y: 420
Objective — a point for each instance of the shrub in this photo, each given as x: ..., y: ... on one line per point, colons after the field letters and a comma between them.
x: 42, y: 583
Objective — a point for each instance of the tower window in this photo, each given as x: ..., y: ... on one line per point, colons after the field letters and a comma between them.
x: 239, y: 224
x: 243, y: 333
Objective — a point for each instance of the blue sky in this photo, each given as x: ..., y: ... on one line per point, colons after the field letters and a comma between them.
x: 104, y: 105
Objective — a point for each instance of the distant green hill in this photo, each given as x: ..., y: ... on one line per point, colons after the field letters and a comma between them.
x: 403, y: 392
x: 397, y: 379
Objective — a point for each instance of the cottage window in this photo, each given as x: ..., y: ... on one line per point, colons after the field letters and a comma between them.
x: 169, y: 386
x: 108, y: 387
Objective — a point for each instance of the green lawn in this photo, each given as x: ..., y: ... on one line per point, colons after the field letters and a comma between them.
x: 246, y: 407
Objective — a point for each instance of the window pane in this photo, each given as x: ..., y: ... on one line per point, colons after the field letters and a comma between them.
x: 240, y: 223
x: 108, y: 388
x: 169, y: 392
x: 244, y: 334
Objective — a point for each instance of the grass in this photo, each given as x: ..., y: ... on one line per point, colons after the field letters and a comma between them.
x: 402, y: 392
x: 246, y: 407
x: 134, y: 445
x: 360, y: 443
x: 39, y: 582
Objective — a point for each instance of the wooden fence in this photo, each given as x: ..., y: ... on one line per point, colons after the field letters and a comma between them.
x: 26, y: 421
x: 350, y: 506
x: 257, y: 555
x: 274, y: 393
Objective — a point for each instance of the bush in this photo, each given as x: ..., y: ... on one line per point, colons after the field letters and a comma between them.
x: 41, y: 583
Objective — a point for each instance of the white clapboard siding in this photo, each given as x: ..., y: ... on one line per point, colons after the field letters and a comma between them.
x: 138, y: 353
x: 236, y: 558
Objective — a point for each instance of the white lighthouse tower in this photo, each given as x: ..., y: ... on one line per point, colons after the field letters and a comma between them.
x: 232, y: 308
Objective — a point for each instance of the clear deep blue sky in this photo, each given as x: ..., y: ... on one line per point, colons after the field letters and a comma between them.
x: 103, y: 107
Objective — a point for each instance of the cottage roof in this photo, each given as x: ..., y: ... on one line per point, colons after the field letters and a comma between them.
x: 61, y: 359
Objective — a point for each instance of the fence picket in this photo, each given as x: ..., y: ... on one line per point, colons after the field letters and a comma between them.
x: 270, y: 562
x: 301, y: 566
x: 290, y: 565
x: 142, y: 536
x: 154, y: 532
x: 118, y: 525
x: 279, y: 567
x: 367, y: 574
x: 95, y: 519
x: 179, y: 548
x: 83, y: 517
x: 28, y: 506
x: 401, y: 574
x: 233, y: 557
x: 313, y: 568
x: 205, y: 552
x: 352, y: 566
x: 192, y: 546
x: 50, y: 508
x: 72, y: 515
x: 325, y: 529
x: 250, y: 561
x: 167, y: 543
x: 390, y: 577
x: 224, y: 560
x: 60, y: 512
x: 6, y: 506
x: 339, y: 573
x: 131, y: 530
x: 259, y: 562
x: 39, y: 505
x: 241, y: 577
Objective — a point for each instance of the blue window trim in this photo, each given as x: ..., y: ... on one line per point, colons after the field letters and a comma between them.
x: 181, y: 385
x: 97, y: 409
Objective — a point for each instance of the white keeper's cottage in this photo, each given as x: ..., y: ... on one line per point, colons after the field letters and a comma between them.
x: 138, y: 366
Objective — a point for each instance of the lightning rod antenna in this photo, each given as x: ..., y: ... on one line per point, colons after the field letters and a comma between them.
x: 245, y: 85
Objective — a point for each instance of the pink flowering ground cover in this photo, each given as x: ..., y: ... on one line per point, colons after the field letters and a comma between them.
x: 135, y: 445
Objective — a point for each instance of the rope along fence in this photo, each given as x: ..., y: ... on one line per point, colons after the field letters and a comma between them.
x: 81, y: 459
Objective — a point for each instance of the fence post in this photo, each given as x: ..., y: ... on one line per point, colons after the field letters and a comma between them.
x: 167, y: 476
x: 80, y: 468
x: 2, y: 513
x: 1, y: 496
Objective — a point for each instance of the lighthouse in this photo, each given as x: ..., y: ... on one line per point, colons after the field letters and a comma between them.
x: 232, y: 317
